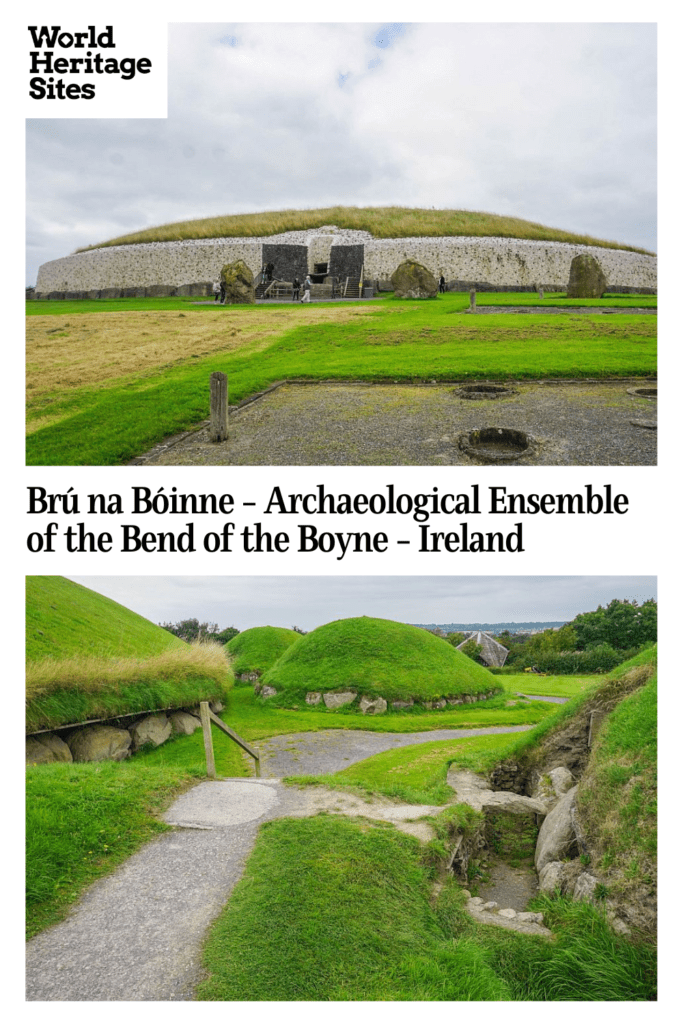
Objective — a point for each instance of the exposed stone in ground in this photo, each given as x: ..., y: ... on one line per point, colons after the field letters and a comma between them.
x: 473, y: 790
x: 528, y: 923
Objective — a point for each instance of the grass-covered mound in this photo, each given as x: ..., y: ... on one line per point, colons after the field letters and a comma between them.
x: 376, y: 658
x: 63, y: 619
x: 88, y: 657
x: 380, y: 221
x: 255, y: 650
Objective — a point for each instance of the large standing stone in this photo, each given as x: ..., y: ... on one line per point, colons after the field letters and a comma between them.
x: 154, y: 729
x: 239, y: 283
x: 100, y: 743
x: 556, y: 836
x: 586, y: 279
x: 411, y: 280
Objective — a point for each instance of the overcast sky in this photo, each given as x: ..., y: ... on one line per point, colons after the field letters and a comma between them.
x: 553, y: 123
x: 310, y: 601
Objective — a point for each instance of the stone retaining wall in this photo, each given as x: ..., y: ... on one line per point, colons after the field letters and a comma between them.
x: 189, y: 267
x: 112, y: 740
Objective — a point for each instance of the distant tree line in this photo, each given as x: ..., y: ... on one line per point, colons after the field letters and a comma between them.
x: 192, y: 629
x: 595, y: 641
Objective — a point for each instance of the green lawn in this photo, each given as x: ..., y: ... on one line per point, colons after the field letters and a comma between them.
x: 553, y: 686
x: 110, y: 423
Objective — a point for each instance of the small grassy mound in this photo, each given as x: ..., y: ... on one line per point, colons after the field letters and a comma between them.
x: 91, y: 658
x: 379, y: 221
x: 377, y: 658
x: 255, y: 650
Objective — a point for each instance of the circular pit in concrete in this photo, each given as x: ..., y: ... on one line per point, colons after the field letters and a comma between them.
x: 497, y: 444
x: 645, y: 392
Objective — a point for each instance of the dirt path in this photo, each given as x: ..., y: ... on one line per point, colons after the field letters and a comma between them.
x: 137, y: 934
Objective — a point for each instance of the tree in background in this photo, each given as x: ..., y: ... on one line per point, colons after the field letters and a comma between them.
x: 472, y: 649
x: 622, y: 625
x: 192, y: 629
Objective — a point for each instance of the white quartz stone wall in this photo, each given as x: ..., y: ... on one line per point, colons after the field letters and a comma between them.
x: 140, y: 266
x: 495, y: 261
x: 505, y: 261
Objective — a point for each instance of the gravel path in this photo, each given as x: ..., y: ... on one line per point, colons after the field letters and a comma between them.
x: 580, y: 423
x: 137, y: 934
x: 320, y: 753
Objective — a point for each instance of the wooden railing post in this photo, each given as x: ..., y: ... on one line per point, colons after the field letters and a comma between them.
x: 205, y: 716
x: 219, y: 407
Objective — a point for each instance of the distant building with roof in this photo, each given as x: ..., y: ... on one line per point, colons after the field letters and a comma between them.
x: 492, y: 654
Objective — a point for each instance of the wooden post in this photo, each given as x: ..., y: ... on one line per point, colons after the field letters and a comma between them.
x: 219, y: 407
x: 473, y: 299
x: 205, y: 716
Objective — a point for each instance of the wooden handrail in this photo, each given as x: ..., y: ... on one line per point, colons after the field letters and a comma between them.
x: 207, y: 717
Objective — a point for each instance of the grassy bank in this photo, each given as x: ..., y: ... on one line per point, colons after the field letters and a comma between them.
x: 105, y: 387
x: 82, y: 821
x: 77, y: 689
x: 380, y: 221
x: 329, y: 909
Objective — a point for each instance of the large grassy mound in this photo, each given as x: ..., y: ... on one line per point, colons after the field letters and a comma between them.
x: 91, y: 658
x: 380, y: 221
x: 63, y: 618
x: 377, y: 657
x: 255, y: 650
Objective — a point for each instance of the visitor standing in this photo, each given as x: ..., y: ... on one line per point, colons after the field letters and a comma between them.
x: 222, y: 292
x: 296, y: 288
x: 216, y: 290
x: 442, y: 284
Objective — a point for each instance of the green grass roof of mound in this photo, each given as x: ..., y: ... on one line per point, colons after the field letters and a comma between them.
x: 63, y: 619
x: 378, y: 657
x: 89, y: 658
x: 255, y: 650
x: 379, y: 221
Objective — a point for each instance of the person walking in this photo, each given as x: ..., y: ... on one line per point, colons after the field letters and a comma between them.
x: 307, y: 289
x: 296, y: 288
x: 442, y: 284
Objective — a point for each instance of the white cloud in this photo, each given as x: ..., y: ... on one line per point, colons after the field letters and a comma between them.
x: 549, y: 122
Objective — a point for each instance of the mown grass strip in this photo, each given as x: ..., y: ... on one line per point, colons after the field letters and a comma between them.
x: 459, y: 300
x: 110, y: 425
